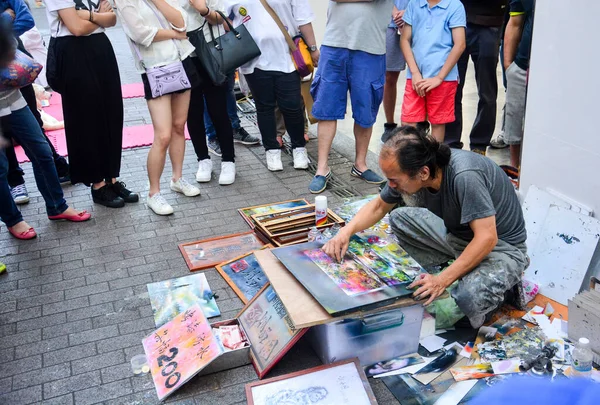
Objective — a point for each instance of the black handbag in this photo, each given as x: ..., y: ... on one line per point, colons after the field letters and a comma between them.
x: 206, y: 58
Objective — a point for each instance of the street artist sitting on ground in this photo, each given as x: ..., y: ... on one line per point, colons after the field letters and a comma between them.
x: 471, y: 213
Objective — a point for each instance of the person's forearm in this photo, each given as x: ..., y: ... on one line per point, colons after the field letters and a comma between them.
x: 163, y: 35
x: 172, y: 15
x: 105, y: 20
x: 512, y: 37
x: 369, y: 215
x: 471, y: 257
x: 308, y: 33
x: 452, y: 60
x: 409, y: 57
x: 83, y: 28
x: 212, y: 16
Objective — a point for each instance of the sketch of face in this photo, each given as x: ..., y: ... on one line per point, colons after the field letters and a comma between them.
x: 316, y: 394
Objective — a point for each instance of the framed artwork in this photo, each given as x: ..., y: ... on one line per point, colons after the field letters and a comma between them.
x: 247, y: 212
x: 169, y: 298
x: 244, y: 275
x: 269, y: 329
x: 207, y: 253
x: 179, y: 349
x: 366, y: 279
x: 343, y: 382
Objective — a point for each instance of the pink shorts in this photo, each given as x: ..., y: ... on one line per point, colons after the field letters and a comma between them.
x: 437, y: 106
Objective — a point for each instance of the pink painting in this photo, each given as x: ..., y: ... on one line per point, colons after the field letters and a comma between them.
x: 179, y: 350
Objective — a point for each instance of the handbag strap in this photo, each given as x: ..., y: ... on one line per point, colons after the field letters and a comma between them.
x: 212, y: 35
x: 286, y: 34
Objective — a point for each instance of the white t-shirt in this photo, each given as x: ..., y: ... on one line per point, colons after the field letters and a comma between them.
x: 57, y: 27
x: 275, y: 53
x: 195, y: 20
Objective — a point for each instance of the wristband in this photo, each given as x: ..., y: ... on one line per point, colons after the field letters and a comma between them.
x: 207, y: 12
x: 91, y: 16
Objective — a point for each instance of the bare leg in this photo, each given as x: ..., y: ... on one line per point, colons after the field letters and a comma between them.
x: 362, y: 136
x: 326, y: 132
x: 390, y: 91
x: 180, y: 104
x: 160, y: 111
x: 515, y: 155
x: 438, y: 131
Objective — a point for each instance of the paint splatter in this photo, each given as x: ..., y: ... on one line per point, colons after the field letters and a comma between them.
x: 569, y: 240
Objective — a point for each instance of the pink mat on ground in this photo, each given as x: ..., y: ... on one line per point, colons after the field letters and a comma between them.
x: 133, y: 137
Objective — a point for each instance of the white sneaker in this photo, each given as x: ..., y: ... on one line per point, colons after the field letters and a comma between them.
x: 182, y: 186
x: 301, y: 159
x: 159, y: 205
x: 227, y: 173
x: 274, y: 160
x: 204, y: 171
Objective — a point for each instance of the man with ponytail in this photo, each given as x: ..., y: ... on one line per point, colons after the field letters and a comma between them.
x: 459, y: 206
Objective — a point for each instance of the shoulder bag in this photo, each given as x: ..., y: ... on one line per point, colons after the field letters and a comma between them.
x: 165, y: 79
x: 21, y: 72
x: 298, y: 48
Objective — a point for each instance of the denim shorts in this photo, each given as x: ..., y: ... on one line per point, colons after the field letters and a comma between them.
x: 342, y: 70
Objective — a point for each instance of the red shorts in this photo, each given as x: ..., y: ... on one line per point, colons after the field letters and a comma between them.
x: 437, y: 106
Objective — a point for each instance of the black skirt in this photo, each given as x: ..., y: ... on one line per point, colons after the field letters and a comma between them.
x: 87, y: 77
x: 190, y: 71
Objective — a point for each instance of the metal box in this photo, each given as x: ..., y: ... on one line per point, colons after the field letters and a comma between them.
x: 375, y: 338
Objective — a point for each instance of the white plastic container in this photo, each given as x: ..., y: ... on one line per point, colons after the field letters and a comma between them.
x: 320, y: 210
x: 582, y: 359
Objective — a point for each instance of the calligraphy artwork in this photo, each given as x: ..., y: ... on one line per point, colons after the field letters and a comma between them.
x: 179, y: 350
x: 208, y: 253
x: 244, y: 275
x: 269, y: 329
x: 247, y: 212
x: 338, y: 383
x: 171, y: 297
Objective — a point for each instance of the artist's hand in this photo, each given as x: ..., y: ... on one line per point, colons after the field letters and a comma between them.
x: 315, y: 57
x: 416, y: 80
x: 105, y: 7
x: 427, y: 85
x: 11, y: 13
x: 337, y: 246
x: 429, y: 286
x: 397, y: 17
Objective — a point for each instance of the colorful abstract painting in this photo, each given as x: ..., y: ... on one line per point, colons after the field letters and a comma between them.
x: 366, y: 253
x: 247, y: 213
x: 171, y: 297
x: 350, y: 276
x: 210, y: 252
x: 244, y: 275
x: 268, y: 328
x: 179, y: 350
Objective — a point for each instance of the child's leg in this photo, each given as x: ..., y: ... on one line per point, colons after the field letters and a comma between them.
x: 438, y: 131
x: 440, y: 108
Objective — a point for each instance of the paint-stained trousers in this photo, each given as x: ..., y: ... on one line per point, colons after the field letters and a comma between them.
x: 423, y: 235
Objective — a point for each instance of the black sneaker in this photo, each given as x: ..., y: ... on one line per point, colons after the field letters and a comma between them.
x: 214, y: 147
x: 107, y: 196
x: 240, y: 135
x: 126, y: 195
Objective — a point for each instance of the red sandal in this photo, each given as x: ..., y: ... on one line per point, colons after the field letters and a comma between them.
x: 27, y: 235
x: 81, y: 217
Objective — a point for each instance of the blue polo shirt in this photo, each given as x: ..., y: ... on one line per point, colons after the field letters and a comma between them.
x: 400, y: 5
x: 432, y: 34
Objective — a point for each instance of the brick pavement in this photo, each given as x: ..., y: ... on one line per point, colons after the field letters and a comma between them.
x: 74, y: 305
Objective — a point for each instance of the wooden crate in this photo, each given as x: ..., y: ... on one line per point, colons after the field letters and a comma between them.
x: 291, y: 226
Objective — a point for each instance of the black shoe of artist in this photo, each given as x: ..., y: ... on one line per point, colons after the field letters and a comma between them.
x: 107, y: 196
x: 128, y: 196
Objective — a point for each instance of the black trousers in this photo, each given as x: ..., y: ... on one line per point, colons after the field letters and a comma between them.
x: 483, y: 45
x: 216, y: 103
x: 271, y: 89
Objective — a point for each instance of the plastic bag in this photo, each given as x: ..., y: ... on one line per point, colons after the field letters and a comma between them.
x: 445, y: 311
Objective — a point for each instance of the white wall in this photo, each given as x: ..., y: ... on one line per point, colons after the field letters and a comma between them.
x: 561, y: 146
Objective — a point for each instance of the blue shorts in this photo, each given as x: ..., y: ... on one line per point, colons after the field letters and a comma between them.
x: 340, y: 70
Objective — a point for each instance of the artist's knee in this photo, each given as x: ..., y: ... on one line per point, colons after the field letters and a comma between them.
x: 402, y: 218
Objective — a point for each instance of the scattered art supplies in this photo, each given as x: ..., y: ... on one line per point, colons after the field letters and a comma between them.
x: 171, y: 297
x: 509, y: 366
x: 269, y: 329
x: 396, y: 364
x: 270, y: 208
x: 244, y: 275
x: 180, y: 349
x: 364, y: 280
x: 339, y: 383
x: 291, y: 226
x: 208, y: 253
x: 432, y: 343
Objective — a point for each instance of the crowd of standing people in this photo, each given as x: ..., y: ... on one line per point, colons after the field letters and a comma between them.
x: 365, y: 47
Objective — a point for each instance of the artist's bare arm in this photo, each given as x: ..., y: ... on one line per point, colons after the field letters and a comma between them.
x: 409, y: 57
x: 460, y: 43
x: 369, y: 215
x: 77, y: 25
x: 484, y: 240
x: 512, y: 38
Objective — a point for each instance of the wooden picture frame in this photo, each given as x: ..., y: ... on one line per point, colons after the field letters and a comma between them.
x: 247, y: 212
x: 220, y: 249
x: 262, y: 326
x: 330, y: 370
x: 223, y: 268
